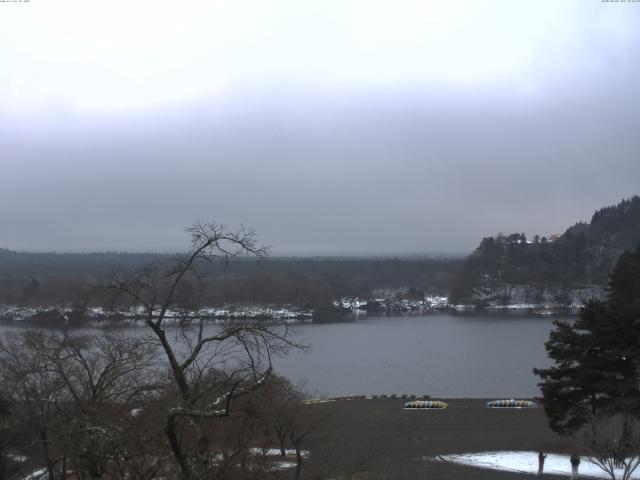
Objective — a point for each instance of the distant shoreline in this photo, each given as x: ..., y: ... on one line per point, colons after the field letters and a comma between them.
x: 98, y: 316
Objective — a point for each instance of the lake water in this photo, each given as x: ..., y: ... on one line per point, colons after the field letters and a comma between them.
x: 444, y: 355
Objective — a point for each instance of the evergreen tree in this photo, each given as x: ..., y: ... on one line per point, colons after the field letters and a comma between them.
x: 624, y: 282
x: 597, y: 357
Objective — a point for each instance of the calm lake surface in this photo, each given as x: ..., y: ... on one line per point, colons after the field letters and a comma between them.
x: 445, y: 355
x: 442, y: 355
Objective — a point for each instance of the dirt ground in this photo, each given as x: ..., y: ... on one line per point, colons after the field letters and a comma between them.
x: 395, y: 439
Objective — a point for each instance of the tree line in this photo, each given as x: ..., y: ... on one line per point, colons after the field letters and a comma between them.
x: 50, y: 279
x: 583, y: 255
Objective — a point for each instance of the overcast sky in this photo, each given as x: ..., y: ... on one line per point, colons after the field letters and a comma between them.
x: 332, y: 127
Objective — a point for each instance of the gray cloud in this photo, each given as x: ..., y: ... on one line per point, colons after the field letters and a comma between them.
x: 385, y: 174
x: 404, y: 167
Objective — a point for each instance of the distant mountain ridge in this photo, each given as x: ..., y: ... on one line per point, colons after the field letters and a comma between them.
x: 511, y: 269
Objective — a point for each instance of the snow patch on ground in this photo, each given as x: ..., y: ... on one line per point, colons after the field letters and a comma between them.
x: 284, y: 465
x: 36, y: 474
x: 275, y: 452
x: 525, y: 462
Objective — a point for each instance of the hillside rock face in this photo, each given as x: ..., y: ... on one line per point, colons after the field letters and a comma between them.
x: 493, y: 294
x: 509, y: 269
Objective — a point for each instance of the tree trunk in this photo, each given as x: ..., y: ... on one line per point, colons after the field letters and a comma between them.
x: 298, y: 463
x: 203, y: 448
x: 178, y: 374
x: 174, y: 442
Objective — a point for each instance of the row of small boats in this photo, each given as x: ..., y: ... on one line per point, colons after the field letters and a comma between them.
x: 511, y: 403
x: 437, y: 404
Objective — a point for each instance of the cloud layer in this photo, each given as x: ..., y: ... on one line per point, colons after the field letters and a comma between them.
x: 330, y: 127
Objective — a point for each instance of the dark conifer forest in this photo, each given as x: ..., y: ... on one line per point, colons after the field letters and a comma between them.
x: 583, y: 256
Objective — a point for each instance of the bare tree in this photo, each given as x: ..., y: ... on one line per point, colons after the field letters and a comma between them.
x: 33, y: 389
x: 211, y: 365
x: 285, y: 419
x: 613, y: 444
x: 72, y: 395
x: 9, y: 463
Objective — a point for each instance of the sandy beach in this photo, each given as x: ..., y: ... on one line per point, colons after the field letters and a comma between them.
x: 399, y: 440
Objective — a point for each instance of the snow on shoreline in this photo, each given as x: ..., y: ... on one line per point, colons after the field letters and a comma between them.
x: 16, y: 313
x: 387, y: 304
x: 382, y: 304
x: 525, y: 462
x: 441, y: 303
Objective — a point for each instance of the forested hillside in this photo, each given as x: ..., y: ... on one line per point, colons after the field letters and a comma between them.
x: 582, y: 257
x: 45, y: 279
